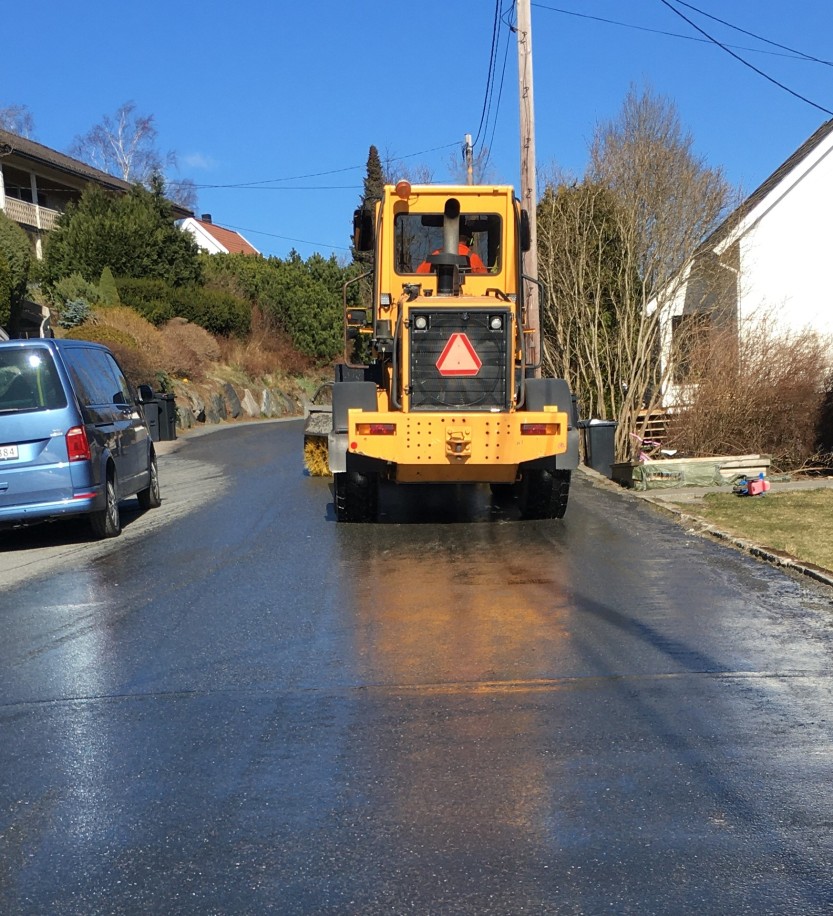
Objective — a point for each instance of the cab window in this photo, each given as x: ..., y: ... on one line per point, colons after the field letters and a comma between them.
x: 419, y: 235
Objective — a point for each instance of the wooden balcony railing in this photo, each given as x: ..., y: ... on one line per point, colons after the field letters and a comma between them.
x: 30, y: 214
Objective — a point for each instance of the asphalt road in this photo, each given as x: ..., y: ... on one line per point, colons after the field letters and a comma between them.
x: 242, y: 707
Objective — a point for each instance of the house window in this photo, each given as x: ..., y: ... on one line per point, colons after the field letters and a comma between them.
x: 690, y: 341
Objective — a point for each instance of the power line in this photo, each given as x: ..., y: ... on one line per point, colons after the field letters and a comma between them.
x: 797, y: 55
x: 295, y: 187
x: 285, y: 238
x: 737, y: 28
x: 259, y: 185
x: 500, y: 89
x: 746, y: 63
x: 490, y: 75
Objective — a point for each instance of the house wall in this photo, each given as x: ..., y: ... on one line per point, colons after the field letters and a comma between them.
x: 783, y: 250
x: 205, y: 241
x: 787, y: 252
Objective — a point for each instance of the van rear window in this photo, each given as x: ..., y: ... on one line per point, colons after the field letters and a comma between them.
x: 29, y: 380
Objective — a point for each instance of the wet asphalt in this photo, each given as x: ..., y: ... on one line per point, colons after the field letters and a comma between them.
x: 251, y: 709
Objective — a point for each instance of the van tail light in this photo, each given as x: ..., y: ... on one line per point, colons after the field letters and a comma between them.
x: 78, y: 446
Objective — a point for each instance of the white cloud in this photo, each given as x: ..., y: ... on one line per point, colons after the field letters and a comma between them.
x: 199, y: 161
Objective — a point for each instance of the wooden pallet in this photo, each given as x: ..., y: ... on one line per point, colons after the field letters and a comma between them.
x: 655, y: 425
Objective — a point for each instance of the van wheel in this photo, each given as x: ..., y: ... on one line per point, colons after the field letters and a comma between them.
x: 107, y: 522
x: 150, y: 497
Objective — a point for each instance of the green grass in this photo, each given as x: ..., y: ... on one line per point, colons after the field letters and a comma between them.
x: 799, y: 523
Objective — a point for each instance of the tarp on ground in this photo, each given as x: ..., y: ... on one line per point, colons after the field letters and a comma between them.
x: 658, y: 475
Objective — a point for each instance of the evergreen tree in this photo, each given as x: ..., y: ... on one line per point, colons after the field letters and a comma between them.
x: 374, y: 181
x: 107, y: 288
x: 133, y: 234
x: 16, y: 251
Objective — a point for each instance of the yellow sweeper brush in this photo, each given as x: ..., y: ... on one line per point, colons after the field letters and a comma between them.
x: 316, y: 456
x: 316, y: 429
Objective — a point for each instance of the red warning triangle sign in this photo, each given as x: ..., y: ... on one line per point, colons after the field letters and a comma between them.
x: 459, y: 357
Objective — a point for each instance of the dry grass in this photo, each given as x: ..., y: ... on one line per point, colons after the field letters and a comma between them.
x: 267, y: 352
x: 798, y: 523
x: 152, y: 347
x: 193, y: 349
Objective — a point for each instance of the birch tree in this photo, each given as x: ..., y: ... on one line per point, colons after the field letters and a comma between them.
x: 125, y: 145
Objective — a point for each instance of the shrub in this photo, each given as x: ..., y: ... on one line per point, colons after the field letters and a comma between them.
x: 265, y: 352
x: 74, y: 313
x: 17, y: 252
x: 216, y: 311
x: 107, y: 288
x: 5, y: 291
x: 760, y: 393
x: 193, y: 348
x: 73, y: 287
x: 138, y: 369
x: 133, y: 233
x: 151, y: 298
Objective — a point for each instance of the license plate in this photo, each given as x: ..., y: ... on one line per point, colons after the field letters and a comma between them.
x: 7, y: 452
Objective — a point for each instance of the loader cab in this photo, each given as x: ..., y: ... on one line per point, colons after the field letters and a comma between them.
x: 418, y: 238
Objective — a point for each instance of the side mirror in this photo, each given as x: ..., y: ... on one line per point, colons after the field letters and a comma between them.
x: 526, y: 235
x: 363, y: 230
x: 145, y: 394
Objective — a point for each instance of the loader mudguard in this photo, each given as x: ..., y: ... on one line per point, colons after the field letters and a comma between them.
x: 547, y: 392
x: 346, y: 395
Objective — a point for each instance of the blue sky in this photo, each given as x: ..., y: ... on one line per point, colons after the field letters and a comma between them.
x: 263, y: 91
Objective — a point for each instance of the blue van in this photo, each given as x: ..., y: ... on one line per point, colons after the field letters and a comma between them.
x: 73, y: 436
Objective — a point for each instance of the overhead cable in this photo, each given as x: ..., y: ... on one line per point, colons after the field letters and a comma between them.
x: 746, y: 63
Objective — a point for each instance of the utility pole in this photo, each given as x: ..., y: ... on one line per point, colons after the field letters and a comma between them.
x: 468, y: 156
x: 529, y: 178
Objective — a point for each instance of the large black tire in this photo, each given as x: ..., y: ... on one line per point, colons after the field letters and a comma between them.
x: 106, y: 523
x: 502, y: 492
x: 151, y: 497
x: 356, y: 496
x: 542, y: 493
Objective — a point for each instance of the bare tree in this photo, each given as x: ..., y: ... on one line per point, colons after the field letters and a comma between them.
x: 394, y: 169
x: 481, y: 169
x: 17, y: 119
x: 613, y: 251
x: 182, y: 191
x: 124, y: 145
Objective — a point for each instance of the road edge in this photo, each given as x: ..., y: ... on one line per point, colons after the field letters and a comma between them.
x: 697, y: 526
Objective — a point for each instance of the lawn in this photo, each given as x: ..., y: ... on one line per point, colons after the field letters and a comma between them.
x: 798, y: 523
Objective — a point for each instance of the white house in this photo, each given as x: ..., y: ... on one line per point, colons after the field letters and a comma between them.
x: 772, y: 257
x: 37, y: 183
x: 215, y: 239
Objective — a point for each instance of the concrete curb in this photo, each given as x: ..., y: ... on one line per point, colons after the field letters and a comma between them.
x: 697, y: 526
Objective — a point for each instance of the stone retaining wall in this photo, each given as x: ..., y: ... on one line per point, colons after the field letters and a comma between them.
x: 218, y: 401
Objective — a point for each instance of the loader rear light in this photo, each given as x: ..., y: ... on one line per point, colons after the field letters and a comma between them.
x: 78, y: 446
x: 540, y: 429
x: 375, y: 429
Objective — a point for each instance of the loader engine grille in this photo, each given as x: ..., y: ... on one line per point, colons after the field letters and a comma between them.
x: 485, y: 389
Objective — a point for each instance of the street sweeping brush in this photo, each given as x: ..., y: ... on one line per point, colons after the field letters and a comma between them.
x: 317, y: 428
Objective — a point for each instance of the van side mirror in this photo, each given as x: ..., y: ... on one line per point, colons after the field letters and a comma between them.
x: 145, y: 394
